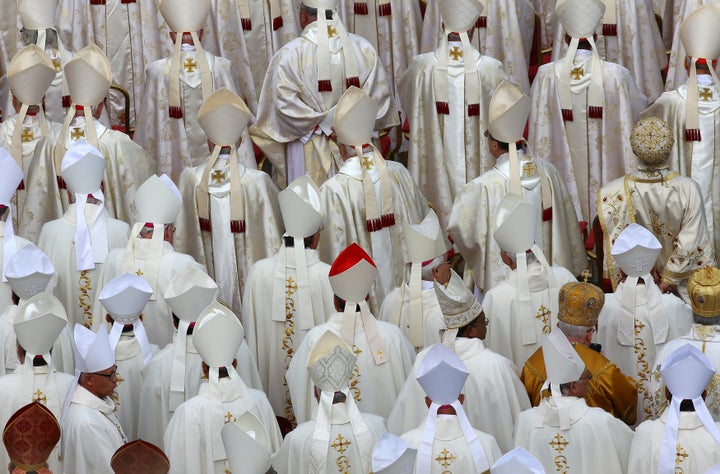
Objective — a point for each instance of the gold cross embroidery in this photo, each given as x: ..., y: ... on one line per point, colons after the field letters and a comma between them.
x: 586, y: 274
x: 379, y: 354
x: 529, y: 168
x: 706, y: 94
x: 543, y: 315
x: 680, y: 455
x: 27, y: 136
x: 190, y: 65
x: 577, y: 73
x: 290, y: 287
x: 229, y: 418
x: 331, y: 31
x: 218, y: 176
x: 77, y: 133
x: 368, y: 162
x: 558, y: 443
x: 445, y: 458
x: 340, y: 444
x: 56, y: 64
x: 38, y: 396
x: 139, y: 272
x: 456, y: 53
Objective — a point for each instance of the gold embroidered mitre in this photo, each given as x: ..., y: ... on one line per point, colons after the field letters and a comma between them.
x: 704, y: 291
x: 580, y: 304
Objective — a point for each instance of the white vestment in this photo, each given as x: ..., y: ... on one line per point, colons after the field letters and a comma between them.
x: 697, y: 451
x: 596, y: 443
x: 181, y: 143
x: 374, y: 387
x: 293, y: 114
x: 587, y: 152
x: 705, y: 338
x: 273, y: 338
x: 473, y: 219
x: 504, y: 32
x: 30, y: 136
x: 5, y: 290
x: 127, y: 167
x: 696, y: 159
x: 395, y: 309
x: 189, y: 435
x: 249, y: 50
x: 637, y: 44
x: 91, y: 434
x: 494, y: 394
x: 157, y: 315
x: 154, y: 395
x: 17, y: 390
x: 635, y: 353
x: 131, y: 33
x: 450, y: 450
x: 514, y: 333
x: 293, y: 455
x: 344, y: 220
x: 447, y: 150
x: 229, y: 255
x: 77, y: 289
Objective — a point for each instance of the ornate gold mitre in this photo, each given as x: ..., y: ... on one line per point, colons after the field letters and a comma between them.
x: 651, y: 140
x: 580, y: 304
x: 704, y: 291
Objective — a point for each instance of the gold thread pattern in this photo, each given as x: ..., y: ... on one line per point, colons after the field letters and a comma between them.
x: 642, y: 369
x: 84, y: 299
x: 559, y: 443
x: 340, y: 445
x: 680, y: 456
x: 40, y: 397
x: 287, y: 343
x: 445, y: 459
x: 115, y: 395
x: 543, y: 315
x: 355, y: 377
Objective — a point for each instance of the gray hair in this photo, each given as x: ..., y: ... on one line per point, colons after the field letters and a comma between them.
x: 573, y: 331
x: 529, y: 257
x: 697, y: 319
x: 28, y: 37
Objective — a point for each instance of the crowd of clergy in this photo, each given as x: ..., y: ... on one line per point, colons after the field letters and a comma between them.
x: 379, y: 236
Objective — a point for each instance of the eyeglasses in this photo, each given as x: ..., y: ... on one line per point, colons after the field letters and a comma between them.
x: 109, y: 376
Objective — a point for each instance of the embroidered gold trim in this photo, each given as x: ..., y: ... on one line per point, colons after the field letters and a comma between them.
x: 287, y: 343
x: 84, y: 300
x: 355, y: 377
x: 559, y: 443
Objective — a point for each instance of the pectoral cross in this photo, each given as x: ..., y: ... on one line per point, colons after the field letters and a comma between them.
x: 379, y: 354
x: 586, y: 274
x: 558, y: 443
x: 229, y: 418
x: 577, y: 73
x: 340, y: 444
x: 331, y: 31
x: 368, y: 162
x: 456, y: 53
x: 445, y: 458
x: 190, y: 65
x: 57, y: 65
x: 529, y: 168
x: 291, y: 287
x: 218, y: 176
x: 77, y: 133
x: 139, y: 272
x: 27, y: 136
x: 706, y: 94
x: 38, y: 396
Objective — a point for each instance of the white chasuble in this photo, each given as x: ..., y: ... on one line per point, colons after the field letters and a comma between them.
x: 395, y: 309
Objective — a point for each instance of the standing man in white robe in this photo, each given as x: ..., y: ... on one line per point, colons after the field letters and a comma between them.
x: 693, y: 112
x: 583, y: 109
x: 40, y: 321
x: 174, y: 374
x: 176, y: 87
x: 88, y: 76
x: 685, y: 438
x: 446, y: 94
x: 149, y: 253
x: 131, y: 33
x: 385, y: 356
x: 192, y: 439
x: 249, y: 33
x: 563, y: 431
x: 124, y: 298
x: 91, y: 432
x: 79, y: 241
x: 628, y: 36
x: 413, y: 306
x: 537, y: 181
x: 531, y: 284
x: 491, y: 376
x: 304, y: 82
x: 29, y: 76
x: 338, y: 435
x: 369, y: 199
x: 637, y: 319
x: 289, y: 293
x: 704, y: 292
x: 446, y: 435
x: 664, y: 202
x: 231, y: 218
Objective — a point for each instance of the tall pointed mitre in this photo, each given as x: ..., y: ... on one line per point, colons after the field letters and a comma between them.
x: 563, y: 365
x: 392, y: 455
x: 243, y: 441
x: 700, y: 36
